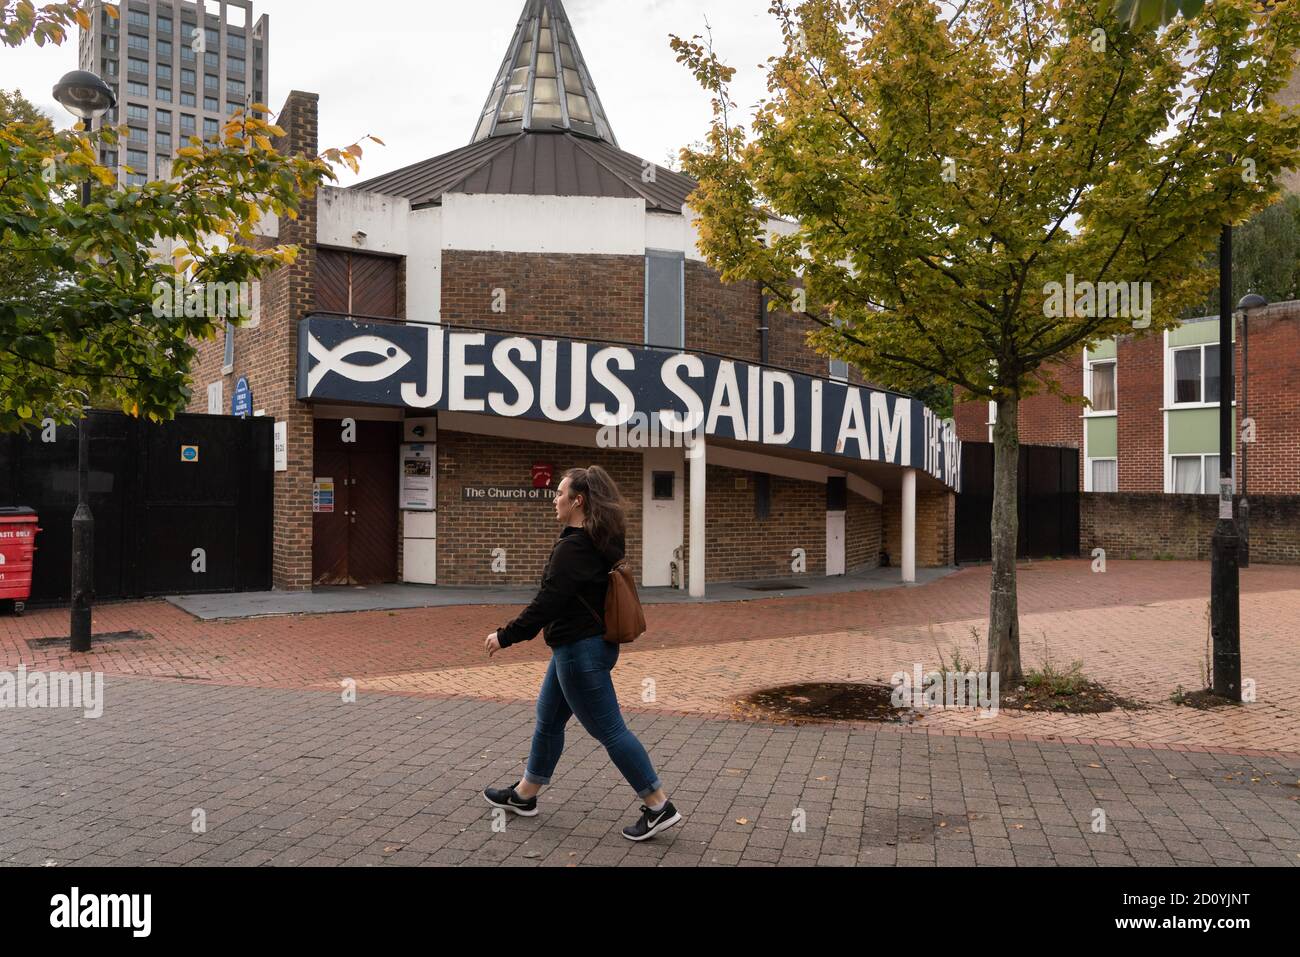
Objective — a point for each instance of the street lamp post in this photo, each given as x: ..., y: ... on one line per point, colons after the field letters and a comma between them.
x: 1225, y: 577
x: 1244, y: 308
x: 87, y: 97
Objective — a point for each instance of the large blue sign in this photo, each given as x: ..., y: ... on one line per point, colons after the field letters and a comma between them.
x: 634, y: 391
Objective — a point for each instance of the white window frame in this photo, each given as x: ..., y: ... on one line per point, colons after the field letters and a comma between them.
x: 215, y: 398
x: 1171, y: 380
x: 1088, y: 411
x: 1202, y: 456
x: 1087, y: 472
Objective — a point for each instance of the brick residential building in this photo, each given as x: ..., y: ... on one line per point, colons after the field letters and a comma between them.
x: 536, y: 301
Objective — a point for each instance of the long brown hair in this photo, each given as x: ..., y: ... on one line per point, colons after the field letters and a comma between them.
x: 603, y: 506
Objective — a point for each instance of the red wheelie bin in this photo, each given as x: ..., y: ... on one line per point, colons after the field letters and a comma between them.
x: 18, y: 531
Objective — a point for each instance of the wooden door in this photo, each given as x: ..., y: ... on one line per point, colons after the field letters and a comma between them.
x: 356, y: 544
x: 330, y: 530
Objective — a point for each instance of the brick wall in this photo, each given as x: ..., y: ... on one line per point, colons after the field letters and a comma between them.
x: 862, y: 533
x: 742, y: 547
x: 936, y: 517
x: 1155, y: 525
x: 469, y: 531
x: 601, y: 297
x: 1274, y: 458
x: 1140, y: 424
x: 267, y: 356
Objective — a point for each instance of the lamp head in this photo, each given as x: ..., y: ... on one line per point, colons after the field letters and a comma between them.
x: 84, y: 95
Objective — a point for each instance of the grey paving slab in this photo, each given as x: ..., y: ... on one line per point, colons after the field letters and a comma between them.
x: 333, y: 600
x: 291, y: 778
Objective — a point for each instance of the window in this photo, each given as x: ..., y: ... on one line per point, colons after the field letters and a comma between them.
x: 212, y: 38
x: 137, y: 66
x: 228, y: 360
x: 108, y: 157
x: 1198, y: 474
x: 211, y: 83
x: 839, y: 369
x: 138, y: 135
x: 188, y: 55
x: 138, y: 18
x: 211, y: 59
x: 165, y: 25
x: 187, y: 76
x: 1104, y: 475
x: 1196, y: 375
x: 137, y: 159
x: 233, y: 108
x: 211, y: 104
x: 665, y: 306
x: 165, y: 48
x: 137, y: 89
x: 136, y: 179
x: 164, y: 141
x: 214, y: 398
x: 110, y: 44
x: 134, y: 42
x: 236, y: 42
x: 236, y: 65
x: 210, y: 129
x: 1101, y: 385
x: 164, y: 72
x: 110, y: 67
x: 187, y: 123
x: 189, y: 99
x: 234, y: 87
x: 164, y: 118
x: 136, y: 112
x: 663, y: 483
x: 165, y: 94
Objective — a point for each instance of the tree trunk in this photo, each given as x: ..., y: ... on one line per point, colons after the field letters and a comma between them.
x: 1004, y: 616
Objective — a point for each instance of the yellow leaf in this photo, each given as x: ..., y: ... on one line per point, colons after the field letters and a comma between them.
x: 379, y: 141
x: 742, y: 820
x: 264, y: 143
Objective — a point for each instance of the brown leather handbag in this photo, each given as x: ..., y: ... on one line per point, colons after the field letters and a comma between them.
x: 624, y: 619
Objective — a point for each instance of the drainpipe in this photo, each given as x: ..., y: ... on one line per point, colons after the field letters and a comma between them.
x: 762, y: 481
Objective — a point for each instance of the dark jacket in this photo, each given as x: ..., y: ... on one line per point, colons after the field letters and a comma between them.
x: 574, y: 569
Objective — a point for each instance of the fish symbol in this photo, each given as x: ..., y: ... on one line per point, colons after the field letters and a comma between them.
x: 334, y: 360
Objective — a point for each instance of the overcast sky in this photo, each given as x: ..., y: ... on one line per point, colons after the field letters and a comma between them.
x: 416, y: 74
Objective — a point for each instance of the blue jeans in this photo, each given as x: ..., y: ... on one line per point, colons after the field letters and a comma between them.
x: 578, y: 683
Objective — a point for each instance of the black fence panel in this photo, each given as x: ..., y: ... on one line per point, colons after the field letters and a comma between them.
x: 1047, y: 503
x: 164, y: 524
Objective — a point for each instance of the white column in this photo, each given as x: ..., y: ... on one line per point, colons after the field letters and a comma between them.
x: 909, y: 525
x: 696, y: 455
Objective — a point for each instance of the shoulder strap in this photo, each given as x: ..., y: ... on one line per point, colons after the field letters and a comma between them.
x: 592, y: 610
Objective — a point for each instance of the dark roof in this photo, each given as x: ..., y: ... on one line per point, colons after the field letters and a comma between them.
x: 536, y: 164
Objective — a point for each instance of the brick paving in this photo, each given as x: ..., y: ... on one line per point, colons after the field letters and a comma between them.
x: 1140, y: 627
x: 295, y: 777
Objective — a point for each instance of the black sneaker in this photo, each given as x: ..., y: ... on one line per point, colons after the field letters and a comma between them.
x: 652, y: 823
x: 508, y: 799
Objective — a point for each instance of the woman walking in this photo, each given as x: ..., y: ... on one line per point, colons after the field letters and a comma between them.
x: 569, y: 609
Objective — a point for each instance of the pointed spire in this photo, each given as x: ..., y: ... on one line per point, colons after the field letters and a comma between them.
x: 543, y: 84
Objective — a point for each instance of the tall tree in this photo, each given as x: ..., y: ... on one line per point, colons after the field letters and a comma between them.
x: 80, y: 313
x: 978, y: 185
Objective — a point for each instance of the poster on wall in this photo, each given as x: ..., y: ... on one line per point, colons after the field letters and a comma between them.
x: 417, y: 476
x: 322, y: 495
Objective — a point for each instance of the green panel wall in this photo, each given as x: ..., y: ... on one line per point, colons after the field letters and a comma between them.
x: 1195, y: 430
x: 1103, y: 441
